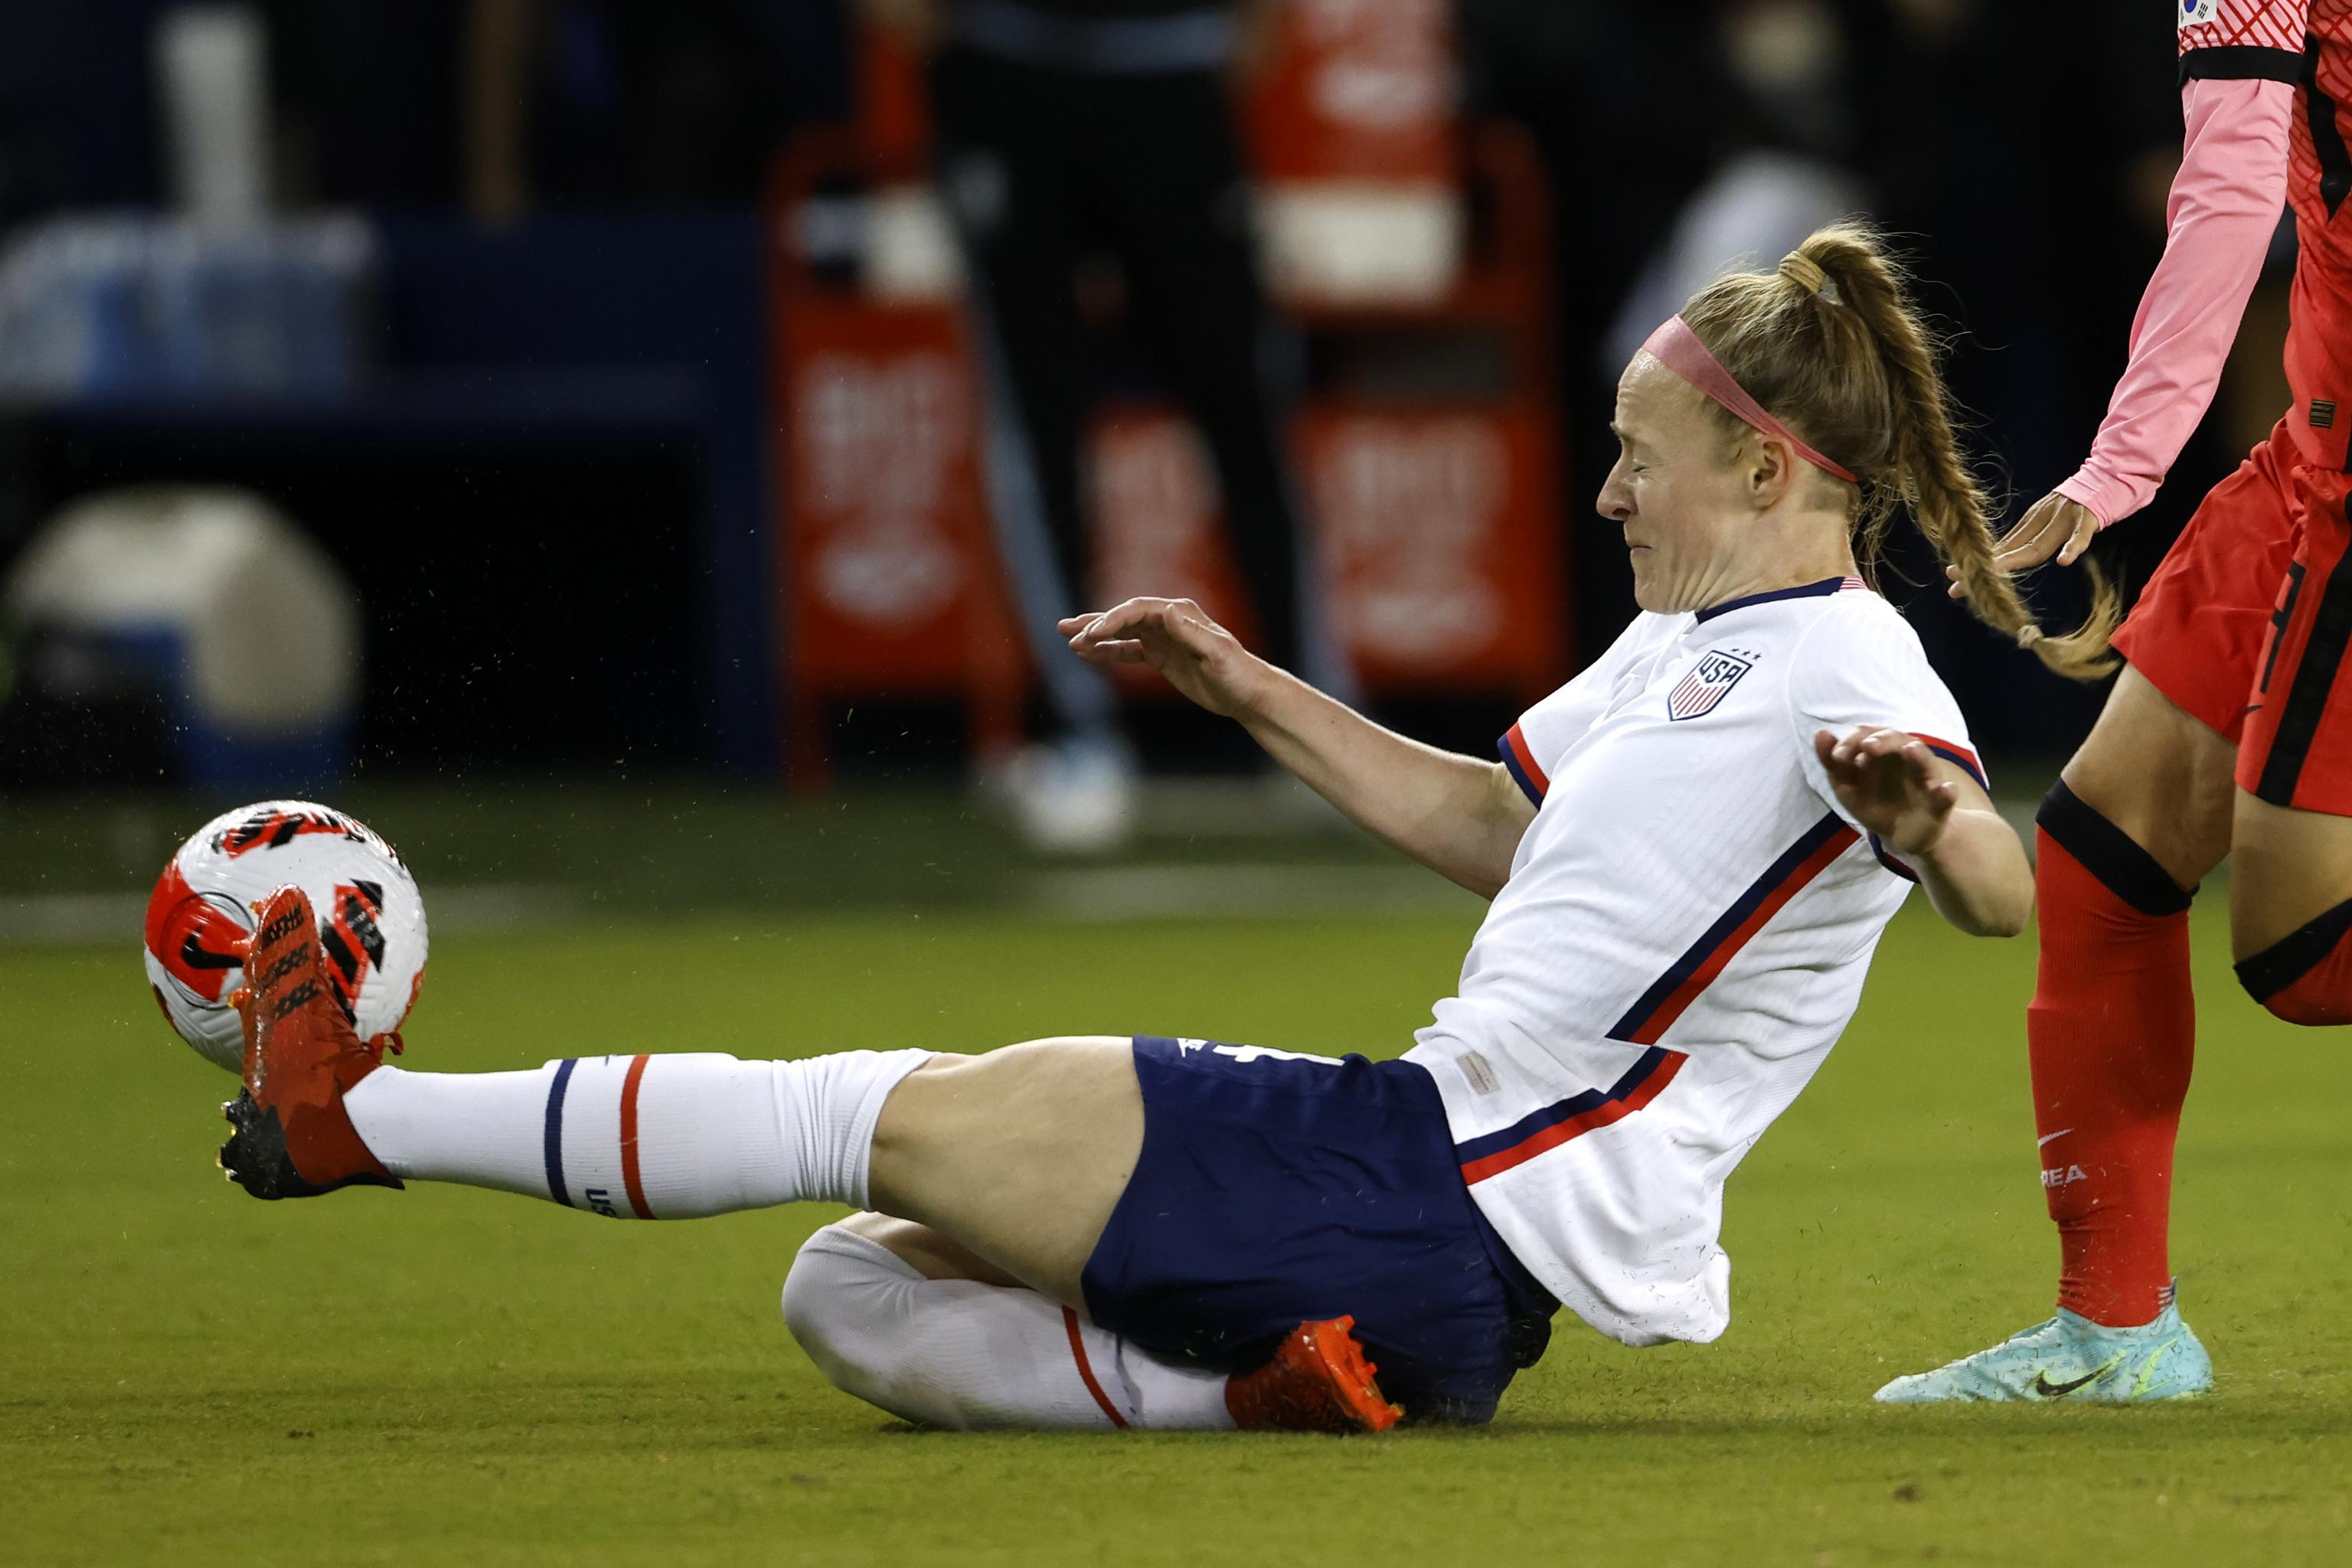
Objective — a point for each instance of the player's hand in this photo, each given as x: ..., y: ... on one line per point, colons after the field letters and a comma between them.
x: 1884, y: 780
x: 1176, y: 637
x: 2057, y: 525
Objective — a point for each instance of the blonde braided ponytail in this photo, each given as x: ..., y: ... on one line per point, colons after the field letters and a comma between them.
x: 1834, y: 345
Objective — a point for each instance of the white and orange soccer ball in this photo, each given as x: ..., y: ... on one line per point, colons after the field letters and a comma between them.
x: 371, y: 919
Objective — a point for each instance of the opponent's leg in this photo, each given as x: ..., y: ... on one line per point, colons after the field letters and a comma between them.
x: 2291, y: 909
x: 2291, y: 894
x: 2140, y: 816
x: 2144, y: 815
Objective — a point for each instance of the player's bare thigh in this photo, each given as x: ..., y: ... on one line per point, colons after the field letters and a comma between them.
x: 2289, y: 868
x: 2161, y: 776
x: 930, y: 1252
x: 1018, y: 1156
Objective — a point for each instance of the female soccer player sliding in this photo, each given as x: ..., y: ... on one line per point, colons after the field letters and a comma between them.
x: 2226, y: 733
x: 1691, y: 849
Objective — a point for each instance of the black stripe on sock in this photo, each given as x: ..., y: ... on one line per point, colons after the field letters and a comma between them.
x: 2295, y: 955
x: 2306, y: 697
x: 2107, y: 852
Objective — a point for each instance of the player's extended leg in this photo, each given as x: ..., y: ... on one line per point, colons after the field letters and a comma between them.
x: 2140, y: 816
x: 1016, y: 1160
x: 1020, y: 1153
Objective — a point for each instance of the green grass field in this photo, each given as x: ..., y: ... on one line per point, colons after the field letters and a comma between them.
x: 451, y: 1376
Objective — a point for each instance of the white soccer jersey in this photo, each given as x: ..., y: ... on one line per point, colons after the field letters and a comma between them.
x: 1683, y: 937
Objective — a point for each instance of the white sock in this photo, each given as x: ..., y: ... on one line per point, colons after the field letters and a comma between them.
x: 668, y: 1137
x: 964, y: 1355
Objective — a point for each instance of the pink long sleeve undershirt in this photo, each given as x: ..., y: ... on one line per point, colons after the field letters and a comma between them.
x: 2225, y: 207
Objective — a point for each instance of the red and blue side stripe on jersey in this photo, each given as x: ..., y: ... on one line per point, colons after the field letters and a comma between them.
x: 1670, y: 995
x: 1571, y: 1118
x: 1959, y: 756
x: 1667, y: 998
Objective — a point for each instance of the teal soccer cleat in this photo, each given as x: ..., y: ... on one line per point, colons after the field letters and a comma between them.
x: 2071, y: 1358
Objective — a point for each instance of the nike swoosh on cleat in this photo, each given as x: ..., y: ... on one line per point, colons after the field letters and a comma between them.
x: 2147, y: 1368
x: 2046, y: 1389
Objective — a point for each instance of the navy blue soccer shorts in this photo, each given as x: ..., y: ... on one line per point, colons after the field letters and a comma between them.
x: 1274, y: 1188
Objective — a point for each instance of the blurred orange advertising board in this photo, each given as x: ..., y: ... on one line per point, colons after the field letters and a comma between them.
x: 1438, y: 529
x: 1433, y: 525
x: 1159, y: 526
x: 1358, y: 90
x: 1434, y: 514
x: 890, y: 572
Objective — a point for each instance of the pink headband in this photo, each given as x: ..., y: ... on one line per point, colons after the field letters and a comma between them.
x: 1676, y: 347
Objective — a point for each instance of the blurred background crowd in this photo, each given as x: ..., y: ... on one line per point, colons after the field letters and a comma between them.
x: 732, y: 388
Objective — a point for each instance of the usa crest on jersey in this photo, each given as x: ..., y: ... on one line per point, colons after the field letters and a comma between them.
x: 1709, y: 684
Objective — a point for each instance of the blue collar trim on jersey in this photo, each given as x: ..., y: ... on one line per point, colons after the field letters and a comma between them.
x: 1809, y: 591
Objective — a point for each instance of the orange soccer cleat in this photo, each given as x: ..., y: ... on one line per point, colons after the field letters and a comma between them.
x: 293, y: 1138
x: 1319, y: 1380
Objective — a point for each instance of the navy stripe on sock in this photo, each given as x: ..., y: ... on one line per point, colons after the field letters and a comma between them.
x: 555, y: 1188
x: 2107, y: 852
x: 2295, y: 955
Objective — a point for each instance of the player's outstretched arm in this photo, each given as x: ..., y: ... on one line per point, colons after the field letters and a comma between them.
x: 2223, y: 207
x: 1936, y: 819
x: 2223, y: 211
x: 1457, y: 815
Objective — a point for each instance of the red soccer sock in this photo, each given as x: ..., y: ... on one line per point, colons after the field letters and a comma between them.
x: 2112, y: 1032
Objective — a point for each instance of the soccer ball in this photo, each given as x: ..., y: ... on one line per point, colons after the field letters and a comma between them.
x: 206, y: 905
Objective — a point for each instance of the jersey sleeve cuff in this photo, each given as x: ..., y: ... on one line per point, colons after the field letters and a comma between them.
x: 2105, y: 498
x: 1522, y: 761
x: 1878, y: 848
x: 1959, y: 756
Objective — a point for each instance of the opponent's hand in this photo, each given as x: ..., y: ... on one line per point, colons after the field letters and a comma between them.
x: 1884, y: 779
x: 1174, y: 637
x: 2055, y: 525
